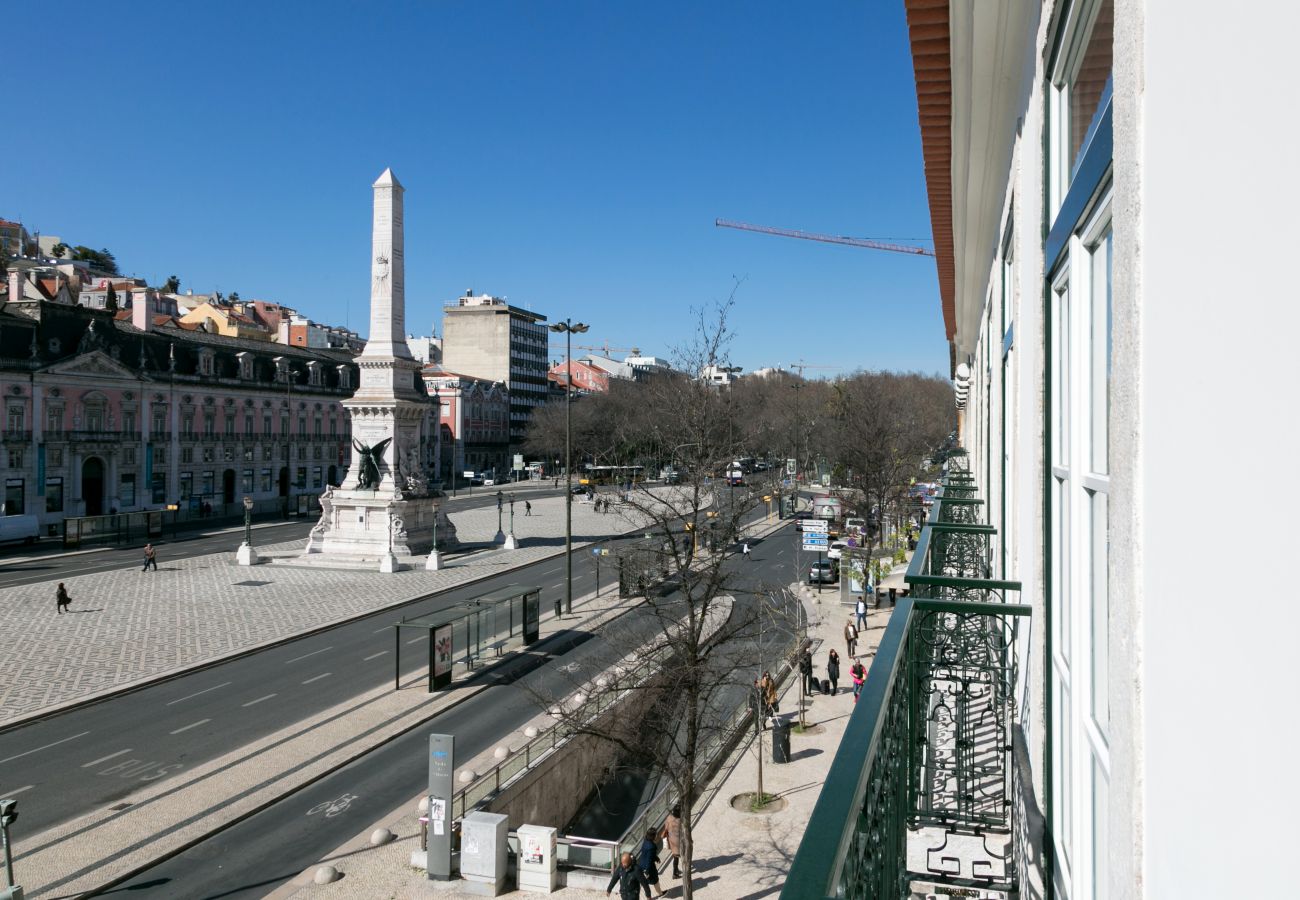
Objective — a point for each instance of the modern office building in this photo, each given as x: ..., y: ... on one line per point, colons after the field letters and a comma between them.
x: 486, y: 337
x: 1084, y: 698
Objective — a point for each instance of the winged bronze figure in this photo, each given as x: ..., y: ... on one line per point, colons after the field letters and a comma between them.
x: 368, y: 476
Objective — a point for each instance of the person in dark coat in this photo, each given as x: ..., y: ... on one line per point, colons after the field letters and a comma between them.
x: 806, y: 670
x: 628, y: 877
x: 61, y: 599
x: 833, y: 671
x: 648, y: 861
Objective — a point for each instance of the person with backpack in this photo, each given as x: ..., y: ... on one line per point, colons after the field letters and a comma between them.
x: 858, y: 673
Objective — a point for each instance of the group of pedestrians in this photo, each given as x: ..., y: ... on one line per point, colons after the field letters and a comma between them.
x: 641, y: 873
x: 63, y: 600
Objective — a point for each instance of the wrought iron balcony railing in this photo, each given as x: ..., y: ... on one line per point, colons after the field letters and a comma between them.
x: 923, y: 788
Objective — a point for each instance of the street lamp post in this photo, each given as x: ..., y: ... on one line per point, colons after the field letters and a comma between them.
x: 500, y: 537
x: 247, y: 556
x: 511, y: 542
x: 568, y: 328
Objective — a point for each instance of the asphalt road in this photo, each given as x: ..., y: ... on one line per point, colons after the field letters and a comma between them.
x: 28, y: 566
x: 253, y: 857
x: 96, y: 756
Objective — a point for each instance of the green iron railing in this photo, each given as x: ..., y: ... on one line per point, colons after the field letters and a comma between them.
x: 925, y: 763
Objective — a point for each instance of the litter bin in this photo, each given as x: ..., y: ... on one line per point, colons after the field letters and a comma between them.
x: 780, y: 740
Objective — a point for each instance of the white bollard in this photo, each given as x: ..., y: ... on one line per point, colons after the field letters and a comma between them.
x: 380, y: 836
x: 326, y: 875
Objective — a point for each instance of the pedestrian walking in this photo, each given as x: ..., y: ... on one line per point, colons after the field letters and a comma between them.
x: 649, y: 860
x: 851, y: 638
x: 806, y: 671
x: 150, y: 558
x: 767, y: 692
x: 629, y: 879
x: 61, y: 600
x: 858, y: 673
x: 862, y: 613
x: 528, y: 508
x: 833, y: 671
x: 672, y: 833
x: 745, y: 549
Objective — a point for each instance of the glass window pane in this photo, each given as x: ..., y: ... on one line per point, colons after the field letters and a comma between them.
x: 1061, y: 378
x: 1100, y: 352
x: 1061, y: 569
x: 1090, y: 78
x: 1063, y: 773
x: 1100, y: 832
x: 1099, y: 595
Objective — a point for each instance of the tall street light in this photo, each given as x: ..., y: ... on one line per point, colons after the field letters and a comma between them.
x: 568, y: 328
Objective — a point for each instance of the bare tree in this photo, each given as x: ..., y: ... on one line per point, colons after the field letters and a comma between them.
x: 699, y: 608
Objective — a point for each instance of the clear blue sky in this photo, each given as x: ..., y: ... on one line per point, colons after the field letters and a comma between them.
x: 570, y: 156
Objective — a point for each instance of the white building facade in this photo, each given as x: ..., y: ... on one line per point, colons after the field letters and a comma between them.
x: 1108, y: 204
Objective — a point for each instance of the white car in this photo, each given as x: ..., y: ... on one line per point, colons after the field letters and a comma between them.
x: 836, y: 550
x: 489, y: 481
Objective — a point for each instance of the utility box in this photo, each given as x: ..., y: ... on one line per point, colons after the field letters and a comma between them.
x: 483, y: 845
x: 537, y: 859
x: 780, y: 740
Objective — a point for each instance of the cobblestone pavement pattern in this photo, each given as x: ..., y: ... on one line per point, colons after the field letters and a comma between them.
x: 128, y: 626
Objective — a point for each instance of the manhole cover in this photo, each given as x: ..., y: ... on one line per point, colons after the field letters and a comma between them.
x: 118, y: 807
x: 251, y: 583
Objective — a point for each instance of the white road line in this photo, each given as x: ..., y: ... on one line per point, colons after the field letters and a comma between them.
x: 415, y: 640
x: 382, y: 630
x: 305, y: 655
x: 374, y: 656
x: 204, y: 691
x: 91, y: 765
x: 46, y: 747
x: 318, y: 678
x: 195, y: 725
x: 16, y: 791
x: 259, y: 700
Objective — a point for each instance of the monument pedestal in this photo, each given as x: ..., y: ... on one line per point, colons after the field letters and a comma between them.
x: 246, y: 555
x: 379, y: 526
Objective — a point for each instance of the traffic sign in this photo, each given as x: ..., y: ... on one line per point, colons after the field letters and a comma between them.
x: 815, y: 542
x: 815, y: 548
x: 818, y: 526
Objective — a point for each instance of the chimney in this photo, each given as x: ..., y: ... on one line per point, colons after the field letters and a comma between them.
x: 15, y: 285
x: 142, y: 310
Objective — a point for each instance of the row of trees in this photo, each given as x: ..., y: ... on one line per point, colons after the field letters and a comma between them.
x: 873, y: 428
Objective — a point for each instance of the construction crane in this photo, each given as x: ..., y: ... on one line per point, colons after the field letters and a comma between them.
x: 801, y: 365
x: 606, y: 349
x: 828, y: 238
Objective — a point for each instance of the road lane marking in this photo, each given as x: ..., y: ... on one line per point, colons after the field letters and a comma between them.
x: 382, y: 630
x: 46, y: 747
x: 195, y: 694
x: 318, y: 678
x: 195, y: 725
x: 259, y: 700
x: 16, y: 791
x: 416, y: 640
x: 374, y: 656
x: 305, y: 655
x: 91, y: 765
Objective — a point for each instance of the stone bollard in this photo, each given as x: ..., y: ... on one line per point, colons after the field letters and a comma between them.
x: 423, y: 808
x: 326, y: 875
x: 380, y: 836
x: 531, y: 732
x: 467, y: 776
x: 500, y: 753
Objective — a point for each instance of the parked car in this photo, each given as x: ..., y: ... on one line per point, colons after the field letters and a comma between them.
x: 580, y: 489
x: 823, y: 572
x: 489, y: 481
x: 836, y: 550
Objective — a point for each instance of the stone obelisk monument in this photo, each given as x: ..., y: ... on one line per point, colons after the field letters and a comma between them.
x: 384, y: 511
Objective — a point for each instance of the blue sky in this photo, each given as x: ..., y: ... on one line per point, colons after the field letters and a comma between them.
x: 571, y: 156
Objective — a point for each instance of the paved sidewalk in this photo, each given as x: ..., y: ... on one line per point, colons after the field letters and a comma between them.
x: 738, y: 855
x: 129, y: 627
x: 86, y: 854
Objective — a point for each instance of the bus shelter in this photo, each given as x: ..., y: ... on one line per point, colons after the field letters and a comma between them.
x: 472, y: 631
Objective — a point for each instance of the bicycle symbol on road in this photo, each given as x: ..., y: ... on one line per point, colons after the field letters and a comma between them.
x: 332, y: 808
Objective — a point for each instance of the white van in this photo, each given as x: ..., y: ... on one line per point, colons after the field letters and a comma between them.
x: 19, y: 528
